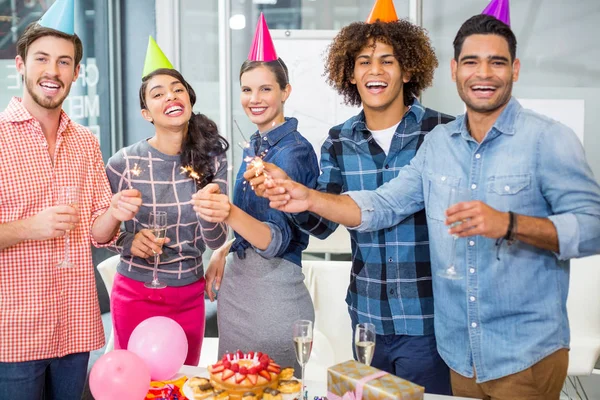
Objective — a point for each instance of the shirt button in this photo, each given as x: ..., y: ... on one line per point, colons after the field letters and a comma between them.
x: 472, y: 298
x: 478, y: 156
x: 471, y: 243
x: 387, y: 166
x: 473, y: 186
x: 472, y: 270
x: 391, y: 291
x: 506, y: 188
x: 473, y: 324
x: 443, y: 178
x: 390, y: 260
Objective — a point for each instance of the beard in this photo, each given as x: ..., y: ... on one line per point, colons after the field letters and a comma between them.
x: 50, y: 103
x: 490, y: 107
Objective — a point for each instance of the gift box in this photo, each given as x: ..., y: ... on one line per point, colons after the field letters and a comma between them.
x: 352, y: 380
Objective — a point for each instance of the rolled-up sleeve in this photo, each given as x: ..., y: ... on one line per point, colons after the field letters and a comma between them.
x: 568, y: 185
x: 102, y: 196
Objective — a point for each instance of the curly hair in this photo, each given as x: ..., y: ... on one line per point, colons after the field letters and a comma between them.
x: 412, y: 49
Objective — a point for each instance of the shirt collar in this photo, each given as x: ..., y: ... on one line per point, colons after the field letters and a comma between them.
x: 416, y: 110
x: 505, y: 123
x: 16, y: 112
x: 279, y: 132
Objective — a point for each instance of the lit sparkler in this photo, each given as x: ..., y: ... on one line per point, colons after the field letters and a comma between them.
x: 135, y: 171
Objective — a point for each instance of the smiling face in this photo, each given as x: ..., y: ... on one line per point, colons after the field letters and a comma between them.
x: 262, y: 98
x: 49, y: 70
x: 379, y: 78
x: 484, y: 73
x: 167, y: 102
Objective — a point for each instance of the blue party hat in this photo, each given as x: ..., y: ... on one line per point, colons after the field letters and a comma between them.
x: 60, y: 16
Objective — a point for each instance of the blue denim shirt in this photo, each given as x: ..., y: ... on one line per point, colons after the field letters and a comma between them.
x: 285, y: 147
x: 505, y: 314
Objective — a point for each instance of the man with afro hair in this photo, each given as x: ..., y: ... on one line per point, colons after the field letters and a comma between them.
x: 385, y: 66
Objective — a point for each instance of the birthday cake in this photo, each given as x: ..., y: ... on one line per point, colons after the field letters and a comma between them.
x: 246, y: 376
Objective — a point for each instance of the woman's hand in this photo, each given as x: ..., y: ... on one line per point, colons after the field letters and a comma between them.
x: 257, y: 173
x: 215, y: 269
x: 210, y: 204
x: 145, y: 244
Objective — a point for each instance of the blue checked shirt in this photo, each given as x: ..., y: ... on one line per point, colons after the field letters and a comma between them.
x: 390, y: 283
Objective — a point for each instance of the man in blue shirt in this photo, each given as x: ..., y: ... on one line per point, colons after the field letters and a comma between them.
x: 384, y: 66
x: 501, y: 323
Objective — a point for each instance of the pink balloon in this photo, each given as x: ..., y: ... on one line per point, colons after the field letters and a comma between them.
x: 119, y: 374
x: 162, y: 344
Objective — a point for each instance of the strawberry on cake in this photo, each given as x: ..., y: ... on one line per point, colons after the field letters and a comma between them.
x: 240, y: 373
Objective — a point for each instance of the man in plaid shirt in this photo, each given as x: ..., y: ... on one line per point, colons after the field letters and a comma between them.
x: 49, y: 315
x: 384, y: 66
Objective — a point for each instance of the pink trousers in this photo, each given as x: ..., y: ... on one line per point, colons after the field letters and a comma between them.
x: 132, y: 303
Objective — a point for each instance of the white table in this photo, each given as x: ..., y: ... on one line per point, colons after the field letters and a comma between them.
x: 315, y: 388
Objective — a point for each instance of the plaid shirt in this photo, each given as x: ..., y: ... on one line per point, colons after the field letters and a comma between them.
x: 390, y: 282
x: 45, y: 311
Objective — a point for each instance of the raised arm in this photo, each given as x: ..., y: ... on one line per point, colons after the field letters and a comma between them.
x: 215, y: 233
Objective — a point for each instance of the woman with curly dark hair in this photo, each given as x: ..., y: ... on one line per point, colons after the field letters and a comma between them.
x: 385, y: 66
x: 186, y: 154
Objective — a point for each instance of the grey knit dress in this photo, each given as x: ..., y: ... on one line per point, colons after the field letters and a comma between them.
x: 258, y: 302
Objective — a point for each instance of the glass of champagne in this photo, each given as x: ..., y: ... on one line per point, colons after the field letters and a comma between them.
x: 364, y: 342
x: 457, y: 195
x: 303, y: 339
x: 67, y: 196
x: 157, y: 222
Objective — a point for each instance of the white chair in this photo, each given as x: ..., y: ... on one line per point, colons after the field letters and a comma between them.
x: 583, y: 307
x: 337, y: 243
x: 327, y: 283
x: 107, y: 270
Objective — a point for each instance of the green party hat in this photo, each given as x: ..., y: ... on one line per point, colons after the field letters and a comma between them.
x: 155, y: 58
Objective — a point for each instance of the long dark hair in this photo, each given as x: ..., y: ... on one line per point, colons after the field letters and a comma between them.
x: 203, y: 140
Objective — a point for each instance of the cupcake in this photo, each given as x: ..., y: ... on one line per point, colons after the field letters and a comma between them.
x: 202, y: 392
x: 272, y: 394
x: 249, y: 396
x: 287, y: 373
x: 290, y: 389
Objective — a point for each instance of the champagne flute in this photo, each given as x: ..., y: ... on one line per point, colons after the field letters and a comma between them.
x: 69, y: 196
x: 158, y: 224
x: 457, y: 195
x: 364, y: 342
x: 303, y: 339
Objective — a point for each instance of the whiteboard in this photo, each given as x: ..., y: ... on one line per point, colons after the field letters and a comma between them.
x: 315, y: 104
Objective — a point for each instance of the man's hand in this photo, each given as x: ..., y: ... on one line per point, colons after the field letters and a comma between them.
x: 125, y: 204
x: 477, y: 219
x: 51, y: 222
x: 257, y: 174
x: 145, y: 244
x: 210, y: 204
x: 287, y: 196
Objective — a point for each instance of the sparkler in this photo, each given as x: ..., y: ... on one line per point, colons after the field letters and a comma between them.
x: 255, y: 161
x: 135, y: 171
